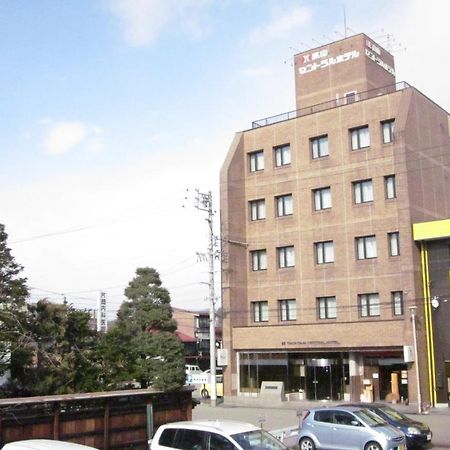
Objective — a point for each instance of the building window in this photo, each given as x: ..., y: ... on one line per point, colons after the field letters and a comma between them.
x: 397, y: 303
x: 287, y: 310
x: 350, y: 97
x: 366, y: 247
x: 324, y: 252
x: 394, y: 243
x: 286, y: 257
x: 387, y: 128
x: 369, y: 305
x: 282, y: 155
x: 256, y: 161
x: 389, y: 186
x: 257, y: 209
x: 259, y: 260
x: 326, y: 307
x: 319, y: 146
x: 284, y: 205
x: 322, y: 198
x: 260, y: 311
x: 362, y: 191
x: 360, y: 137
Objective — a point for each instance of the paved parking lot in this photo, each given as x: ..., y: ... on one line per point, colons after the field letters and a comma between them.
x: 282, y: 415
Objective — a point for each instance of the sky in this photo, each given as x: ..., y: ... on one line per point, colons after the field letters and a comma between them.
x: 113, y: 113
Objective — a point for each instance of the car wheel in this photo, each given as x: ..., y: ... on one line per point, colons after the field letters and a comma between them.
x: 373, y: 446
x: 306, y: 443
x: 204, y: 393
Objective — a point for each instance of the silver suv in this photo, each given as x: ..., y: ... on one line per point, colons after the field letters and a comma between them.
x: 214, y: 435
x: 348, y: 428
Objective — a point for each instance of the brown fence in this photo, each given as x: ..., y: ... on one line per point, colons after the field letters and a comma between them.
x: 104, y: 420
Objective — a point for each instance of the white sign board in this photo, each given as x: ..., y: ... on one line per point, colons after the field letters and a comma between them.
x: 222, y: 357
x: 408, y: 354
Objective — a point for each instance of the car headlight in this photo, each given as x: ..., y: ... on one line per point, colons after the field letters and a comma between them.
x: 413, y: 430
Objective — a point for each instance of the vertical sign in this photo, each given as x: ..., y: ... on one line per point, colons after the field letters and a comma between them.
x: 101, y: 316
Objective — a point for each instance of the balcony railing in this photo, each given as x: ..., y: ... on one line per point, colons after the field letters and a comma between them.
x: 331, y: 104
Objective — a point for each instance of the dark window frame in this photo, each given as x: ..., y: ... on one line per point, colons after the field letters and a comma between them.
x: 258, y: 311
x: 320, y: 197
x: 328, y: 308
x: 253, y: 159
x: 279, y: 150
x: 287, y: 310
x: 318, y: 148
x: 388, y: 126
x: 258, y: 253
x: 282, y: 199
x: 356, y: 131
x: 365, y: 303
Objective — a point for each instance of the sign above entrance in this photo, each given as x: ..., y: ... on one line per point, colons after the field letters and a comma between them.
x: 302, y: 343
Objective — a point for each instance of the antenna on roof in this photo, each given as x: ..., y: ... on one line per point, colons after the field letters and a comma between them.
x: 328, y: 37
x: 316, y: 41
x: 345, y: 22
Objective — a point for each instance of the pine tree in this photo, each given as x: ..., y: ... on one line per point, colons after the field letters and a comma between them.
x: 142, y: 344
x: 13, y: 293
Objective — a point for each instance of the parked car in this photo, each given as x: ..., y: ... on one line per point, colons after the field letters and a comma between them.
x: 191, y: 369
x: 417, y: 434
x: 44, y: 444
x: 214, y: 435
x: 348, y: 428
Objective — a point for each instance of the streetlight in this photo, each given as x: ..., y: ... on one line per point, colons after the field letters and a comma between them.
x: 412, y: 310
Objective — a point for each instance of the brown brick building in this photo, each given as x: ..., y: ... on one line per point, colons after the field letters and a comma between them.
x: 317, y: 214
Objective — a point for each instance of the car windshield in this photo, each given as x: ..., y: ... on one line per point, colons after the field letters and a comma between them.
x: 393, y: 414
x: 258, y: 440
x: 370, y: 418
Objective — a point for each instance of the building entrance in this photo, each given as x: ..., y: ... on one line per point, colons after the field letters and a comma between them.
x: 324, y: 379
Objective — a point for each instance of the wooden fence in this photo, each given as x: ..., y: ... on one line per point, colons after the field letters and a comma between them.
x: 104, y: 420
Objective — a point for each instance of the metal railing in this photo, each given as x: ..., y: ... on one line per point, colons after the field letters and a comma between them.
x: 360, y: 96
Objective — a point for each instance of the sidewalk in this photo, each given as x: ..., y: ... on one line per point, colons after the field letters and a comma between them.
x: 273, y: 415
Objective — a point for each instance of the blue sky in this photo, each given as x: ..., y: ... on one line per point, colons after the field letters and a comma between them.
x: 111, y: 109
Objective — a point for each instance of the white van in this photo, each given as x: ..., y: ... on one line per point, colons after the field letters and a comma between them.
x: 192, y: 369
x: 45, y: 444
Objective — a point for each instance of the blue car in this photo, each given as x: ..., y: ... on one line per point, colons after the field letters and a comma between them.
x: 418, y: 434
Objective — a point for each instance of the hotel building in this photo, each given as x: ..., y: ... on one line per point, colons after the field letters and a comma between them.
x: 335, y: 220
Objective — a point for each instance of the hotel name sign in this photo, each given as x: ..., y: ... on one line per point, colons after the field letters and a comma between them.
x: 321, y: 59
x: 308, y: 343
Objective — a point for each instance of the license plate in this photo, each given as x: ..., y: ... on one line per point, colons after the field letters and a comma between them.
x: 429, y: 437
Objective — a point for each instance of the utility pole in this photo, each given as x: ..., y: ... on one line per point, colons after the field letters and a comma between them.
x: 204, y: 203
x: 413, y: 309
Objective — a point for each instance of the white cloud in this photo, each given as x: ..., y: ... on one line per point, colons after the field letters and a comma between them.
x: 144, y: 20
x: 62, y: 137
x: 279, y: 26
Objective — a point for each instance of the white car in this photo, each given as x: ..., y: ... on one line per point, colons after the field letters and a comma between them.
x: 44, y: 444
x: 214, y: 435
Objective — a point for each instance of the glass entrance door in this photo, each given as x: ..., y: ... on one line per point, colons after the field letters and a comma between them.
x: 319, y: 382
x: 324, y: 379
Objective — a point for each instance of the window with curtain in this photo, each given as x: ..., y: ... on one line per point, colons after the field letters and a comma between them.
x: 284, y: 205
x: 286, y: 257
x: 324, y: 252
x: 369, y: 305
x: 362, y: 191
x: 360, y: 137
x: 322, y: 198
x: 282, y: 155
x: 366, y: 247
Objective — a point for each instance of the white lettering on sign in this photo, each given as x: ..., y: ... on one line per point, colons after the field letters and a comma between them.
x: 327, y: 62
x: 380, y: 62
x: 373, y: 47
